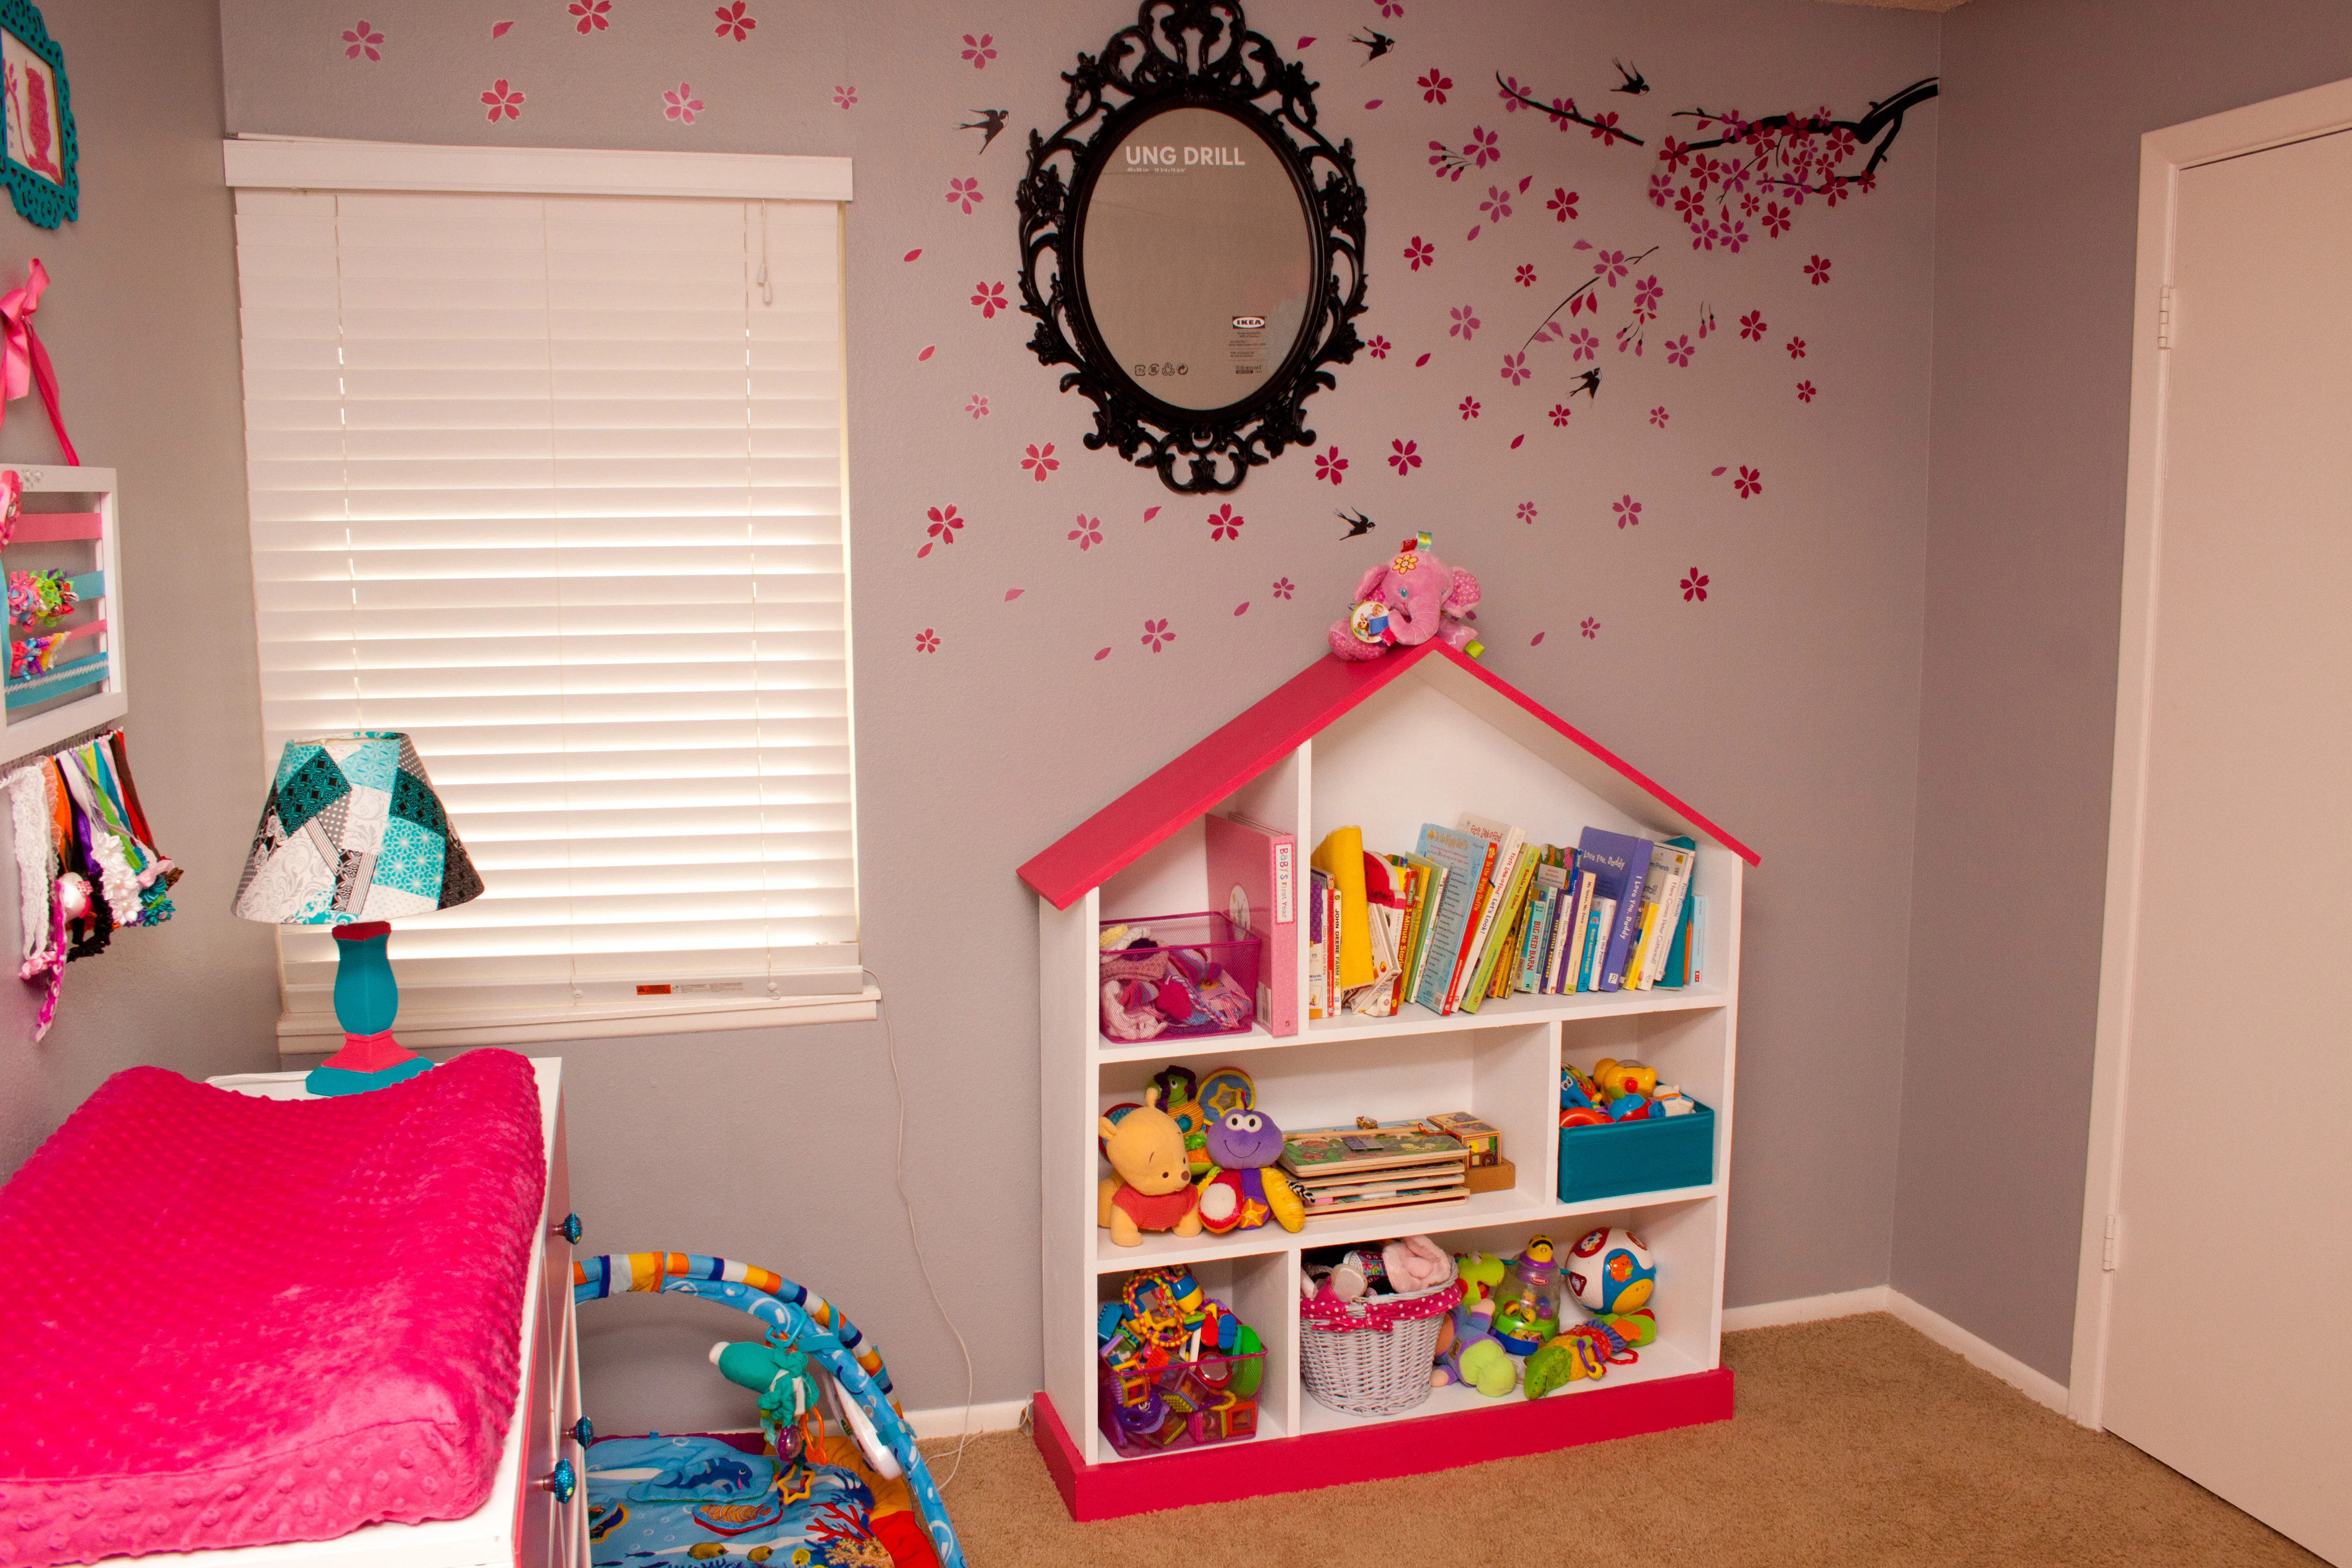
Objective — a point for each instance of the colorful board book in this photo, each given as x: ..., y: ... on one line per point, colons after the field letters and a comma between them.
x: 1465, y: 857
x: 1620, y: 862
x: 1254, y: 878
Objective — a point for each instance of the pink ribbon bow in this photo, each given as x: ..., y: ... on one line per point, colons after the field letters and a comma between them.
x: 24, y: 362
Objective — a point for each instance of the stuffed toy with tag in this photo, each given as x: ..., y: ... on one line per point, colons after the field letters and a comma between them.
x: 1413, y: 597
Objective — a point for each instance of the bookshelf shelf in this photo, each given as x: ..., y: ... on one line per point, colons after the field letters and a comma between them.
x: 1321, y: 753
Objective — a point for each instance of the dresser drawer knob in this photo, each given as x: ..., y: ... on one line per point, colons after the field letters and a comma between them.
x: 563, y: 1481
x: 570, y: 1230
x: 584, y: 1431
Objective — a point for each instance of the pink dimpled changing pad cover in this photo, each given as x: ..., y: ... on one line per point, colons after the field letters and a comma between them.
x: 230, y: 1321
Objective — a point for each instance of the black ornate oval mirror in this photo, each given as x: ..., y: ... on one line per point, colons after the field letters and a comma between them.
x: 1199, y: 278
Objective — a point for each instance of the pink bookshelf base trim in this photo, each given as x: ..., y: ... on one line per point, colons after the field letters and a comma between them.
x: 1505, y: 1430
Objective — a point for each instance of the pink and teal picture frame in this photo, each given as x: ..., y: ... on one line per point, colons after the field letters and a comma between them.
x: 39, y: 153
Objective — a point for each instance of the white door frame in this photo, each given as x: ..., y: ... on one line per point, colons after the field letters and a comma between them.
x: 2163, y: 155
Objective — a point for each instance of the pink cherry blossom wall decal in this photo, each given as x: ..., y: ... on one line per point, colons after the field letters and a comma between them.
x: 498, y: 29
x: 361, y: 40
x: 1013, y: 594
x: 505, y: 102
x: 912, y: 253
x: 735, y: 21
x: 1242, y: 609
x: 1101, y: 654
x: 1537, y: 640
x: 929, y: 349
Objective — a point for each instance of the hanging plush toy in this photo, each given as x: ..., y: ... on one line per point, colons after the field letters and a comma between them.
x: 1411, y: 599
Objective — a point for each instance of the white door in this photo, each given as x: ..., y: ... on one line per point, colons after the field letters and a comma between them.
x: 2230, y: 1329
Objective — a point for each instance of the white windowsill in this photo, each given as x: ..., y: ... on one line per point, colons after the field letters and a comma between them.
x: 303, y: 162
x: 318, y: 1034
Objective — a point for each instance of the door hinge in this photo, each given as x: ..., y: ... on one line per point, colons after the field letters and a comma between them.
x: 2107, y: 1253
x: 2164, y: 320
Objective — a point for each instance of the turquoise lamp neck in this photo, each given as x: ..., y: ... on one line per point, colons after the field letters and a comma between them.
x: 367, y: 998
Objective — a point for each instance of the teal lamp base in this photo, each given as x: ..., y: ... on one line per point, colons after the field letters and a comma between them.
x: 366, y: 1000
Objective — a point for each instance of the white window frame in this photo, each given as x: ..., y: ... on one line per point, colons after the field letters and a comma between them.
x: 285, y: 163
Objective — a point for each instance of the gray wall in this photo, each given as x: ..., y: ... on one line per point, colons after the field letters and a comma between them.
x: 2037, y: 206
x: 140, y: 320
x: 1785, y: 705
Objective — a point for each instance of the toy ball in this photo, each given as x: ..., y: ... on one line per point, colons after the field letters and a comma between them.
x: 1610, y: 1271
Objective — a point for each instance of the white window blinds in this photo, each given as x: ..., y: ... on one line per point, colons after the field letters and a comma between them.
x: 554, y: 484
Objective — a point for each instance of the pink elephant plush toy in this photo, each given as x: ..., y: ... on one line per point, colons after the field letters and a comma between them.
x: 1407, y: 600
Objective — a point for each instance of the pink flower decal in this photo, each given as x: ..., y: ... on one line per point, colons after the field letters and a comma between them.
x: 1678, y: 351
x: 1392, y: 8
x: 1497, y: 204
x: 1331, y: 466
x: 1379, y: 347
x: 1420, y: 252
x: 1434, y: 86
x: 1611, y: 267
x: 1695, y: 586
x: 1465, y: 323
x: 980, y: 50
x: 1224, y: 524
x: 1404, y: 457
x: 1777, y: 219
x: 1560, y: 414
x: 990, y: 298
x: 1751, y: 326
x: 360, y: 40
x: 1817, y: 269
x: 944, y: 524
x: 845, y: 97
x: 1088, y: 534
x: 1563, y: 204
x: 1750, y: 482
x: 1628, y: 511
x: 1658, y: 417
x: 965, y: 193
x: 1804, y: 392
x: 681, y: 105
x: 1604, y: 129
x: 498, y: 30
x: 1155, y: 633
x: 926, y: 641
x: 1483, y: 147
x: 505, y: 102
x: 736, y: 21
x: 1525, y: 276
x: 1284, y: 587
x: 591, y: 16
x: 1646, y: 295
x: 1509, y: 92
x: 977, y: 407
x: 1796, y: 348
x: 1583, y: 344
x: 1041, y: 462
x: 1469, y: 407
x: 1515, y: 368
x: 1590, y: 628
x: 1527, y: 511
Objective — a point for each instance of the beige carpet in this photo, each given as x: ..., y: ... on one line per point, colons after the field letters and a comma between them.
x: 1857, y: 1442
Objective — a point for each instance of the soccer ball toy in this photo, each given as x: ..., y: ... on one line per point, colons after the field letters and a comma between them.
x: 1610, y: 1271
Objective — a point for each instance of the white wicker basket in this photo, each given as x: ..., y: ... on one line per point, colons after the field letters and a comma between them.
x: 1372, y: 1357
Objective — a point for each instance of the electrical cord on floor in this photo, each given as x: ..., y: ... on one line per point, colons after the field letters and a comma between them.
x: 898, y: 1164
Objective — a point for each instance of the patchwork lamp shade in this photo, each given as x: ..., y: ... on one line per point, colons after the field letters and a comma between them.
x: 352, y: 837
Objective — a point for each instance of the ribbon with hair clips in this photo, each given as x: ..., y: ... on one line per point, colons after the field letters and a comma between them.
x: 24, y: 362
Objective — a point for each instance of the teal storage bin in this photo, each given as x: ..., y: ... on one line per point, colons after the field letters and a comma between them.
x: 1644, y: 1156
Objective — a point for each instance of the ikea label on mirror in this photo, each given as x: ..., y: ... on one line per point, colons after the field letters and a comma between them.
x: 1163, y: 160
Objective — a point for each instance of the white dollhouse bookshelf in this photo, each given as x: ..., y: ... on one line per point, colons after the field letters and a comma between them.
x: 1419, y: 737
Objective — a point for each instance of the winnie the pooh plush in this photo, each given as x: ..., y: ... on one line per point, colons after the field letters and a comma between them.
x: 1153, y: 1189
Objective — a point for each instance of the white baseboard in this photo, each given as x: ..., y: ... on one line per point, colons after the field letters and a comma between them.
x: 1003, y: 1416
x: 1805, y: 1310
x: 2038, y: 1386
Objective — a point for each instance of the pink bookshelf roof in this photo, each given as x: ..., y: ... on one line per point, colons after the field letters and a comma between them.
x: 1122, y: 832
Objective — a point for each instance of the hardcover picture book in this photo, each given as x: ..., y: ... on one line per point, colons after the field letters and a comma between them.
x: 1319, y: 1150
x: 1621, y: 863
x: 1254, y: 878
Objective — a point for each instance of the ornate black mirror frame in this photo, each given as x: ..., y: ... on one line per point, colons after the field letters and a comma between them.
x: 1184, y: 53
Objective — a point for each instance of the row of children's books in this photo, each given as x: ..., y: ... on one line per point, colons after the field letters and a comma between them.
x: 1480, y: 912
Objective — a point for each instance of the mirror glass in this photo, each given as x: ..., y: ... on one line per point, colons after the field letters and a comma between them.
x: 1198, y: 256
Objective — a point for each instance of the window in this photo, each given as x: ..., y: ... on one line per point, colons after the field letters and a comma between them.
x: 552, y: 481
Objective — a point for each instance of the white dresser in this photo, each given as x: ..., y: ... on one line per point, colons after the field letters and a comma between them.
x: 524, y: 1524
